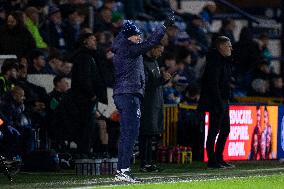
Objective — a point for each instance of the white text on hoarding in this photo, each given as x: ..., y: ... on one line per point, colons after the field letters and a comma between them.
x: 241, y: 117
x: 239, y: 133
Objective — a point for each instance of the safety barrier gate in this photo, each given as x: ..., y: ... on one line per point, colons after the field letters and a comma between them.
x: 171, y: 114
x: 170, y: 124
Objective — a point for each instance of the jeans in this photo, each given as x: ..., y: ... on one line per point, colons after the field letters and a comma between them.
x: 128, y: 106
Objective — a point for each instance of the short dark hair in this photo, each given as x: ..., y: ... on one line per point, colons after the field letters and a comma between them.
x: 83, y: 37
x: 35, y: 54
x: 57, y: 79
x: 220, y: 40
x: 9, y: 64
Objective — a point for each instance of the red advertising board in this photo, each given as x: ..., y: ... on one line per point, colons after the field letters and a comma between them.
x: 253, y: 133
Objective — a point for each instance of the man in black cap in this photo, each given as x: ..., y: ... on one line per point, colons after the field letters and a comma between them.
x: 129, y: 88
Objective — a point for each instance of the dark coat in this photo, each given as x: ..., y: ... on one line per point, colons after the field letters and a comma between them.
x: 11, y: 110
x: 17, y: 41
x: 128, y: 62
x: 247, y: 54
x: 70, y: 33
x: 215, y: 89
x: 33, y: 92
x: 152, y: 104
x: 86, y: 77
x: 65, y: 121
x: 53, y: 35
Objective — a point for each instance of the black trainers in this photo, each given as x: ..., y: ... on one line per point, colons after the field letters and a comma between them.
x: 227, y: 165
x: 215, y: 166
x: 149, y: 168
x: 126, y: 177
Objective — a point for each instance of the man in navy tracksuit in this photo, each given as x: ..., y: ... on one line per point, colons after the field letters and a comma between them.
x: 129, y: 88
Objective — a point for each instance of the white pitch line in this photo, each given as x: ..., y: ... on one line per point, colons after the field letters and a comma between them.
x: 174, y: 182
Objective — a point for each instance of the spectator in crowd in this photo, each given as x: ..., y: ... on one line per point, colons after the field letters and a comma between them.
x: 195, y: 29
x: 264, y: 42
x: 66, y: 68
x: 104, y: 57
x: 61, y: 86
x: 191, y: 95
x: 246, y: 56
x: 8, y: 75
x: 72, y: 27
x: 32, y: 24
x: 54, y: 64
x: 169, y: 63
x: 40, y: 5
x: 181, y: 78
x: 276, y: 86
x: 159, y: 9
x: 37, y: 63
x: 129, y: 88
x: 227, y: 29
x: 33, y: 94
x: 52, y: 31
x: 151, y: 107
x: 172, y: 33
x: 187, y: 69
x: 259, y: 87
x: 117, y: 22
x: 208, y: 12
x: 103, y: 21
x: 87, y: 88
x: 214, y: 98
x: 15, y: 38
x: 14, y: 111
x: 262, y: 71
x: 171, y: 94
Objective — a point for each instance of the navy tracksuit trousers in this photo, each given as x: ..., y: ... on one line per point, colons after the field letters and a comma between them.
x: 128, y: 106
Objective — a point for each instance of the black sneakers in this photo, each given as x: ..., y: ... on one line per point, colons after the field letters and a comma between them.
x: 126, y: 177
x: 149, y: 168
x: 220, y: 165
x: 215, y: 166
x: 227, y: 165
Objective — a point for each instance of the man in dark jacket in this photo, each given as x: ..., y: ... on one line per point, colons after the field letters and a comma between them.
x: 129, y: 88
x: 52, y: 31
x: 20, y: 133
x: 152, y: 107
x: 8, y: 75
x: 87, y: 88
x: 214, y: 98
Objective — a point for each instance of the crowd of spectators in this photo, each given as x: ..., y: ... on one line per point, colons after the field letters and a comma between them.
x: 44, y: 34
